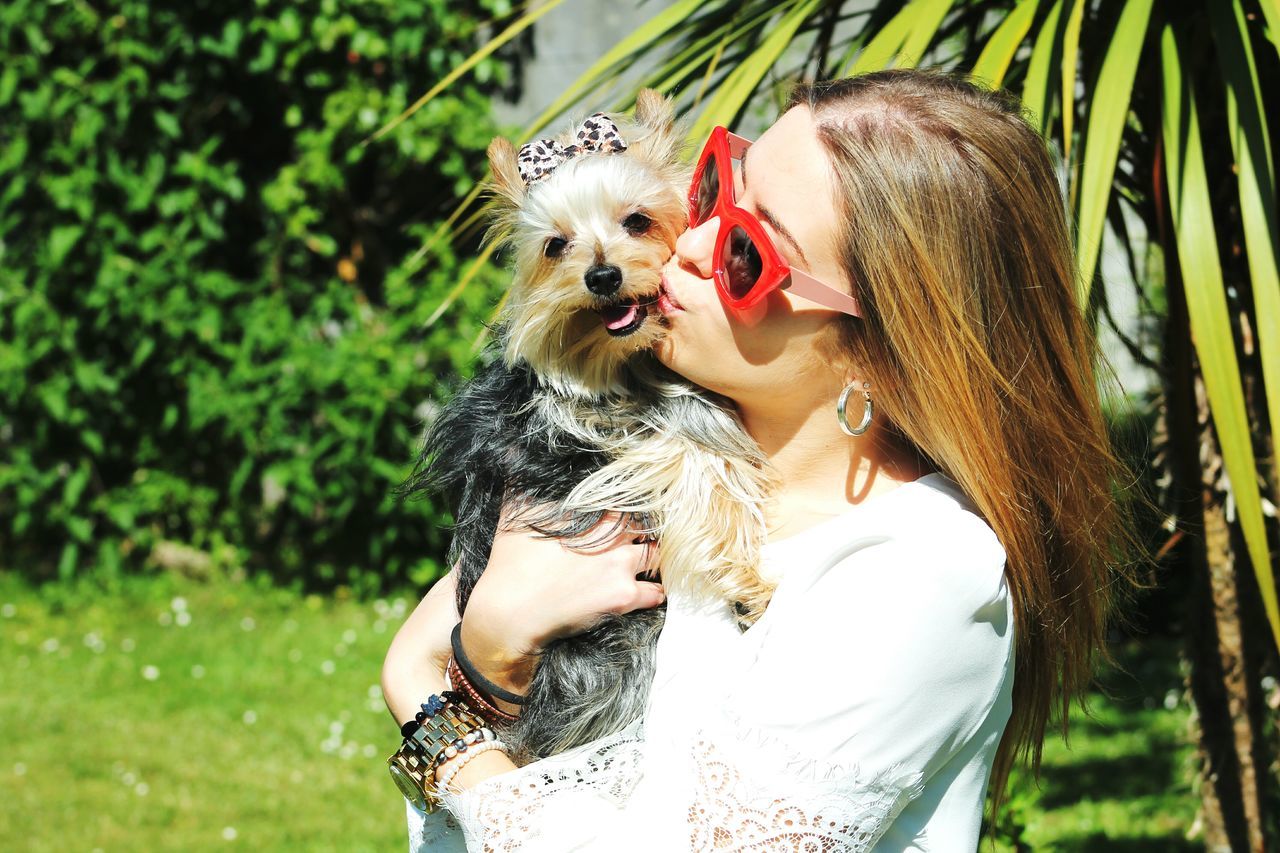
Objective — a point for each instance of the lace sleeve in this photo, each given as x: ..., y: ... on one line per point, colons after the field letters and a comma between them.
x: 566, y: 802
x: 437, y: 832
x: 600, y: 798
x: 753, y: 793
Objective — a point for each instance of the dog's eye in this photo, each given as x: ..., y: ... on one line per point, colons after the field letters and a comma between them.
x: 637, y: 224
x: 555, y: 247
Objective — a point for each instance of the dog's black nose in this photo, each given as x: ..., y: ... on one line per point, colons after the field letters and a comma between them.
x: 604, y: 280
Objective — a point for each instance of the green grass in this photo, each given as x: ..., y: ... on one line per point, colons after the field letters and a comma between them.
x: 258, y: 724
x: 1123, y: 782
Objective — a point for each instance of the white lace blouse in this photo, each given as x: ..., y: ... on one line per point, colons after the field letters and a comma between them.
x: 861, y: 712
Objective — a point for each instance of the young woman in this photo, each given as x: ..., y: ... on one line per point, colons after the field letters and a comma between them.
x: 947, y: 534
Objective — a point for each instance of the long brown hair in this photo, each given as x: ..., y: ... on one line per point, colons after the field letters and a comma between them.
x: 954, y: 235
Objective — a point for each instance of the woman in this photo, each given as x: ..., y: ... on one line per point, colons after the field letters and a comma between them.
x: 944, y: 566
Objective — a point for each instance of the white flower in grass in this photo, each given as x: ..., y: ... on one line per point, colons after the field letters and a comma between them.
x: 142, y: 789
x: 229, y: 833
x: 349, y: 636
x: 295, y: 655
x: 8, y: 610
x: 197, y: 671
x: 150, y: 673
x: 19, y: 769
x: 128, y: 779
x: 182, y: 619
x: 127, y: 645
x: 250, y: 717
x: 369, y: 750
x: 327, y: 667
x: 49, y: 646
x: 247, y: 623
x: 179, y: 604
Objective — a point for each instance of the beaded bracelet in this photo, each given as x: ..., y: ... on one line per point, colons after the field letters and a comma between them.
x: 455, y: 765
x: 462, y: 744
x: 483, y: 707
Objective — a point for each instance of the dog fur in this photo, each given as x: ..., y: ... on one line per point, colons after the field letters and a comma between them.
x: 570, y: 423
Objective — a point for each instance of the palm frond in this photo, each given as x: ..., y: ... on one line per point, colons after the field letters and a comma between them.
x: 1193, y: 221
x: 1256, y: 180
x: 1108, y: 116
x: 993, y: 63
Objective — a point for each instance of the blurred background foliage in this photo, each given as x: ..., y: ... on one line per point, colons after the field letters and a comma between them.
x: 212, y: 341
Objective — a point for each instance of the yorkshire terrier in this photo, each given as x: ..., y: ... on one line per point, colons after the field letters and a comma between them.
x: 576, y: 418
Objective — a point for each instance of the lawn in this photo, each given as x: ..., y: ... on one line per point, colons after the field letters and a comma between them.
x: 173, y: 715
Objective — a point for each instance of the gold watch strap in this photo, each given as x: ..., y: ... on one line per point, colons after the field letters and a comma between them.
x: 450, y: 720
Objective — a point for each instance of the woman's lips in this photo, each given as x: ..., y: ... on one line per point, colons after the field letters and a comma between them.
x: 667, y: 303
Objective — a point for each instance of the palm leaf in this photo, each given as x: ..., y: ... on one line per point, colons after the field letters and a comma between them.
x: 928, y: 18
x: 1108, y: 114
x: 463, y: 280
x: 514, y: 29
x: 642, y: 38
x: 741, y: 83
x: 1256, y: 177
x: 1192, y: 208
x: 1070, y: 61
x: 1271, y: 11
x: 1037, y: 88
x: 883, y: 46
x: 993, y: 63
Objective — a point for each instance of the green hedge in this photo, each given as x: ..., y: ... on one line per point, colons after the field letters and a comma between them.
x: 211, y: 335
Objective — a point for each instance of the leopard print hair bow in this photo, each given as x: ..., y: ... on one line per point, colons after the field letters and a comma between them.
x: 598, y: 135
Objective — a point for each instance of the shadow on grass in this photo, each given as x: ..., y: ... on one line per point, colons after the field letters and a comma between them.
x: 1099, y: 843
x: 1125, y: 777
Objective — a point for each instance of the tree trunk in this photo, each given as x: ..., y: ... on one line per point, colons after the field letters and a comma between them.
x: 1224, y: 629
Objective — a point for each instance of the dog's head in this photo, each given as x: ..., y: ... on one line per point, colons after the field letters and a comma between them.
x: 590, y: 229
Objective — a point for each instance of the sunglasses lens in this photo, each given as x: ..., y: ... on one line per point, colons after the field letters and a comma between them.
x: 742, y: 262
x: 708, y: 189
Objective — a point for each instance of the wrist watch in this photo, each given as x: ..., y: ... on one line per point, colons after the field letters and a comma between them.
x: 444, y: 723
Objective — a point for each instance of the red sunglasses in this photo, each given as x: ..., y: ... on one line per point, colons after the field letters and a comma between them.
x: 747, y: 266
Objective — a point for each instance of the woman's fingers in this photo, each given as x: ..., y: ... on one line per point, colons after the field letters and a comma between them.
x: 647, y: 595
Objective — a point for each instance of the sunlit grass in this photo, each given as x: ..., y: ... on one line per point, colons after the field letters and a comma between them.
x: 171, y: 715
x: 253, y: 720
x: 1123, y: 783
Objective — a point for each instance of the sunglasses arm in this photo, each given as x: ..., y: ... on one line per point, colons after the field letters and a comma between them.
x: 815, y: 291
x: 737, y: 145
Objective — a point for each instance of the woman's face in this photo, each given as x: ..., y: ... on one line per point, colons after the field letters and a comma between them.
x: 768, y: 353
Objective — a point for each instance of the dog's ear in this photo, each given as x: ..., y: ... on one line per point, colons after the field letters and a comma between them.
x: 660, y: 142
x: 508, y: 187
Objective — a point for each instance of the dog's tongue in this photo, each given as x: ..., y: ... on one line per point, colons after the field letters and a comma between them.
x: 619, y: 316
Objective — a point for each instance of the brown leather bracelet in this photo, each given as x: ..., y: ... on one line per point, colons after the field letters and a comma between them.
x: 485, y: 708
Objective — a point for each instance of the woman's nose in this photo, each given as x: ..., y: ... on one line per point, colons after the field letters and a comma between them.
x: 696, y: 246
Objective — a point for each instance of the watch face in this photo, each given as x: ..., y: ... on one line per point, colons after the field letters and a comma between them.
x: 409, y: 787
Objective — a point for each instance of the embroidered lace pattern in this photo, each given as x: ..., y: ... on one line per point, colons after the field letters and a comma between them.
x: 435, y: 831
x: 507, y: 812
x: 764, y: 798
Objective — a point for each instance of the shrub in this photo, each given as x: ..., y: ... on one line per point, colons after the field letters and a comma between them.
x: 211, y: 331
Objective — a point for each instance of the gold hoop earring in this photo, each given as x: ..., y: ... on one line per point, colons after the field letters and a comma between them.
x: 867, y: 410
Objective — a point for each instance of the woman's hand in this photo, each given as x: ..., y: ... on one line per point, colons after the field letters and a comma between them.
x: 537, y: 589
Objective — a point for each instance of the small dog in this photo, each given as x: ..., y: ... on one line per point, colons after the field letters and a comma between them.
x: 577, y: 418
